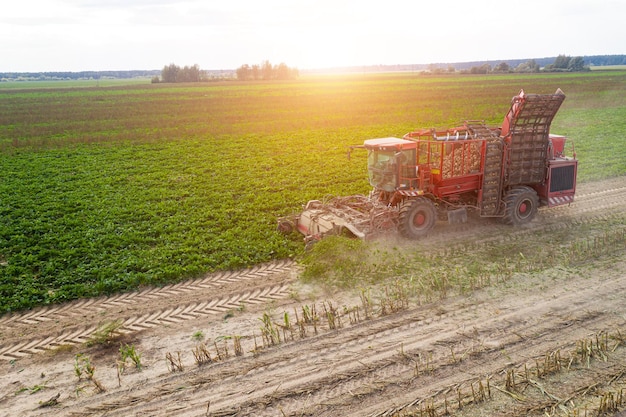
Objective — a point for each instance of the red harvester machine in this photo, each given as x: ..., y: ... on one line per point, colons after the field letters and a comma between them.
x: 506, y: 172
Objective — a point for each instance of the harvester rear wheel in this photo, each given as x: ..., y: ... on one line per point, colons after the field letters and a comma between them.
x: 416, y: 218
x: 522, y: 204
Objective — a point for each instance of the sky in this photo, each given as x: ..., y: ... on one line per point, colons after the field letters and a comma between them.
x: 103, y: 35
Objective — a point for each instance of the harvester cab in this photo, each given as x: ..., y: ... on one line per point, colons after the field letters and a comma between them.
x: 391, y: 163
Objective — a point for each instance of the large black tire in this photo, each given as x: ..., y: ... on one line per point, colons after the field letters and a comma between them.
x: 522, y: 204
x: 416, y: 218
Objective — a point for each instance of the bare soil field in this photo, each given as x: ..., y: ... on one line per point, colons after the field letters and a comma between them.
x: 536, y: 344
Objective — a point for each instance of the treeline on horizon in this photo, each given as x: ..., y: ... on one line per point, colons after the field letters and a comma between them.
x: 562, y: 63
x: 591, y: 61
x: 172, y: 73
x: 250, y: 72
x: 80, y: 75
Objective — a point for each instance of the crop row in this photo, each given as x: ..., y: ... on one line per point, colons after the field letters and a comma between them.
x: 106, y: 189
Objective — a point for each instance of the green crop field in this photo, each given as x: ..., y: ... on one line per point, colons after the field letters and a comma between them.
x: 107, y: 188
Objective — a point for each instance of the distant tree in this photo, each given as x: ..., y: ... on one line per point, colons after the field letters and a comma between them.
x: 256, y: 72
x: 266, y: 71
x: 169, y: 74
x: 566, y: 63
x: 528, y: 66
x: 282, y: 71
x: 577, y: 64
x: 483, y: 69
x: 243, y: 72
x: 174, y: 74
x: 502, y: 67
x: 189, y: 74
x: 561, y: 62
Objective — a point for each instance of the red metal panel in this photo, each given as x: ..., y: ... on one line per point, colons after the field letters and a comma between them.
x: 457, y: 185
x: 560, y: 185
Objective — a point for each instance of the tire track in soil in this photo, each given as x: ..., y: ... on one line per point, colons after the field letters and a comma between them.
x: 171, y: 315
x: 94, y: 305
x: 321, y: 375
x: 73, y: 334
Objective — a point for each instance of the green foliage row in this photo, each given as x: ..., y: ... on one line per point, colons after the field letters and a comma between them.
x: 107, y: 189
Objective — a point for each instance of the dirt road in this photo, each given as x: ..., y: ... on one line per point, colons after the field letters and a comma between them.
x: 538, y: 343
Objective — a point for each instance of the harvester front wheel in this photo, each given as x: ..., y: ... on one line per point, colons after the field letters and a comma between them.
x: 416, y: 218
x: 522, y: 204
x: 285, y: 226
